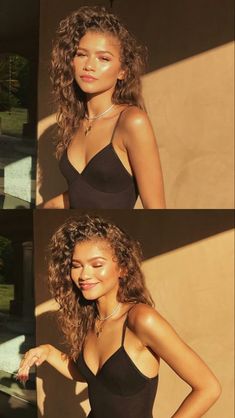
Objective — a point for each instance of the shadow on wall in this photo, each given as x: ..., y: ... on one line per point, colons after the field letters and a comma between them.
x: 50, y: 376
x: 14, y: 408
x: 158, y: 233
x: 48, y: 166
x: 174, y: 31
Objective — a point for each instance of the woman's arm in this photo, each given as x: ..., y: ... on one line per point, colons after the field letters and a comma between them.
x: 59, y: 202
x: 156, y: 333
x: 46, y: 352
x: 141, y: 146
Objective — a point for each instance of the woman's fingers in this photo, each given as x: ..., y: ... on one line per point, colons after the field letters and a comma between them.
x: 31, y: 357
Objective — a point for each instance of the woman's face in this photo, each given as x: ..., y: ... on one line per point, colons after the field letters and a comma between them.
x: 97, y: 65
x: 94, y: 269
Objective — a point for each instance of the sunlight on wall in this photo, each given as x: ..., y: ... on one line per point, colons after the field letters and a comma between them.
x: 49, y: 306
x: 45, y: 123
x: 193, y: 289
x: 190, y: 104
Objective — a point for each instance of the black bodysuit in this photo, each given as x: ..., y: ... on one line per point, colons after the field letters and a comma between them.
x: 119, y: 389
x: 103, y: 184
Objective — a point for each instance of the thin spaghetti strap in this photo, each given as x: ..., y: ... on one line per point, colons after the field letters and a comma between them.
x: 125, y: 324
x: 124, y: 331
x: 117, y: 122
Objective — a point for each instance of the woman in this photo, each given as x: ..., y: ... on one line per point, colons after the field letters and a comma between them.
x: 116, y: 337
x: 107, y: 149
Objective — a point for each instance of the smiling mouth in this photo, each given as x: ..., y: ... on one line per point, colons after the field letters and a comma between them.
x: 87, y: 286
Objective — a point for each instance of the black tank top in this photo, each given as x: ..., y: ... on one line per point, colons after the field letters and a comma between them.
x: 119, y: 389
x: 103, y: 184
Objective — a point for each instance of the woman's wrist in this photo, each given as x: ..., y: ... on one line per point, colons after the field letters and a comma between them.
x: 46, y: 351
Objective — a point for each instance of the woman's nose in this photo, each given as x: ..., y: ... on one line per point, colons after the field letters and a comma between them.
x: 85, y: 273
x: 89, y: 64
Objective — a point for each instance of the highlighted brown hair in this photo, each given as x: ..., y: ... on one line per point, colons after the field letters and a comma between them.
x: 69, y: 98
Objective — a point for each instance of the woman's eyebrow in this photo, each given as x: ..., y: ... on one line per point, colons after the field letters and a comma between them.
x: 97, y: 257
x: 90, y: 259
x: 97, y: 52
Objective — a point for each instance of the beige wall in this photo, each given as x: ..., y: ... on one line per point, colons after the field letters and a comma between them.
x: 188, y: 91
x: 192, y: 287
x: 191, y: 107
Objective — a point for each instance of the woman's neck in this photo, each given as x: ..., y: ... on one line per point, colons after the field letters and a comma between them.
x: 98, y: 104
x: 107, y: 307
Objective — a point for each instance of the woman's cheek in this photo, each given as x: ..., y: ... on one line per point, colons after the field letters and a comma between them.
x: 102, y: 272
x: 74, y: 276
x: 108, y: 68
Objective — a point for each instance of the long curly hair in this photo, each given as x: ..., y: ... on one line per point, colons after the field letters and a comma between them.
x: 76, y: 314
x: 69, y: 98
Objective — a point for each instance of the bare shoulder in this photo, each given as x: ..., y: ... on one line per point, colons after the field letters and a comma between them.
x: 135, y: 127
x: 148, y: 324
x: 143, y: 316
x: 134, y: 117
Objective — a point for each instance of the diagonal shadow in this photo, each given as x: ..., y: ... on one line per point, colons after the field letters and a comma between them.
x: 158, y: 231
x: 177, y: 30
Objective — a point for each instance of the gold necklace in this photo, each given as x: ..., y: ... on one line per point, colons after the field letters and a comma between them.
x: 90, y: 120
x: 99, y: 329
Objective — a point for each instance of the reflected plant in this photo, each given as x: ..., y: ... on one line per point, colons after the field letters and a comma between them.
x: 6, y: 254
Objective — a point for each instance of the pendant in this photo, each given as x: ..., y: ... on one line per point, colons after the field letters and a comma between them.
x: 87, y: 130
x: 98, y: 331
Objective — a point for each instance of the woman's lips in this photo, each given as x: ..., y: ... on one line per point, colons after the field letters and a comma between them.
x: 87, y: 286
x: 88, y: 78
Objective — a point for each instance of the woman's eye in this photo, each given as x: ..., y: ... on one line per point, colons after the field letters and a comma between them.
x: 97, y: 265
x: 75, y: 266
x: 80, y: 54
x: 104, y: 59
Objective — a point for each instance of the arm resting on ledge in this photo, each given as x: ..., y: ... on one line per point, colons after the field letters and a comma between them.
x: 46, y: 352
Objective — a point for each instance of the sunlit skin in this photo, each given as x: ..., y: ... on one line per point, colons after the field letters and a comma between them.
x: 99, y: 56
x: 96, y: 273
x: 149, y: 337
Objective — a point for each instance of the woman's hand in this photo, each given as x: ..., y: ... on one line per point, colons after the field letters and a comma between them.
x: 56, y: 358
x: 35, y: 356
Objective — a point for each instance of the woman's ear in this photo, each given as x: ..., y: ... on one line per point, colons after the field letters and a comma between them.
x: 122, y: 273
x: 121, y: 75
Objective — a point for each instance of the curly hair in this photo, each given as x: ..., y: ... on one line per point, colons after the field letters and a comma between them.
x: 76, y: 314
x: 69, y: 98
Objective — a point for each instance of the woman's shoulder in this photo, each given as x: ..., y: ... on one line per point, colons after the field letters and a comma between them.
x: 144, y: 321
x: 142, y: 315
x: 135, y: 127
x: 133, y: 116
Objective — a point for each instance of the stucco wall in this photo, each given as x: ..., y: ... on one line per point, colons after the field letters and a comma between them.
x: 188, y: 90
x: 192, y: 286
